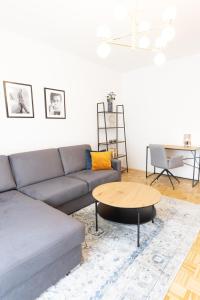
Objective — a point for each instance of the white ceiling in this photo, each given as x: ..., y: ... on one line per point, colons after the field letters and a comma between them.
x: 71, y: 26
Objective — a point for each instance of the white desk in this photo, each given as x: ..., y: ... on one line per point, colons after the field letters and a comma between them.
x: 196, y: 160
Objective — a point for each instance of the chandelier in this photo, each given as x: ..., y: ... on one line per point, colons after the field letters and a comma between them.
x: 143, y: 35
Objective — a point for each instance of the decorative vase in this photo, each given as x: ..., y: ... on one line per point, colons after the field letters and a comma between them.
x: 110, y: 106
x: 187, y: 140
x: 110, y: 98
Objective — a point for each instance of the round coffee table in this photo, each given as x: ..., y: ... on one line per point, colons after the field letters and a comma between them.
x: 126, y: 202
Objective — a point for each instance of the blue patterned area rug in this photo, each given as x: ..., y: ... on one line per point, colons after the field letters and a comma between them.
x: 114, y: 268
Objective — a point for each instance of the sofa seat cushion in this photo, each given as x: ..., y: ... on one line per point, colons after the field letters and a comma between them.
x: 33, y: 235
x: 57, y: 191
x: 95, y: 178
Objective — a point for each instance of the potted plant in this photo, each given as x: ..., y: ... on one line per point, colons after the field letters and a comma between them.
x: 110, y: 98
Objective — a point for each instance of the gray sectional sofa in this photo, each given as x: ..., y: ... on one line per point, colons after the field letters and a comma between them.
x: 39, y: 243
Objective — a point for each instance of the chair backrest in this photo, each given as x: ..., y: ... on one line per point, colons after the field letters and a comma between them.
x: 158, y: 156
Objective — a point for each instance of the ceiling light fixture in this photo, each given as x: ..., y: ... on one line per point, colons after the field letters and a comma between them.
x: 168, y: 33
x: 141, y: 35
x: 103, y: 50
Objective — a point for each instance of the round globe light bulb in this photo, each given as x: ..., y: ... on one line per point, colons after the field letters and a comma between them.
x: 169, y: 14
x: 103, y: 32
x: 144, y: 42
x: 103, y: 50
x: 168, y: 33
x: 144, y: 26
x: 159, y: 59
x: 120, y: 12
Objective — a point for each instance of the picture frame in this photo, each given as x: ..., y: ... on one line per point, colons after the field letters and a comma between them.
x: 18, y: 99
x: 55, y: 107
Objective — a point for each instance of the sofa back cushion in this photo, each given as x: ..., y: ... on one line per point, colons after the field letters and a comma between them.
x: 74, y: 158
x: 35, y: 166
x: 6, y: 178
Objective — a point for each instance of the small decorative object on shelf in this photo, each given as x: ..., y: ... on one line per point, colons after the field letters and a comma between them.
x: 112, y: 120
x: 114, y: 152
x: 187, y: 140
x: 110, y: 98
x: 113, y: 141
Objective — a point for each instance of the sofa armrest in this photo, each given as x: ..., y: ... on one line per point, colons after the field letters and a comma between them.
x: 116, y: 164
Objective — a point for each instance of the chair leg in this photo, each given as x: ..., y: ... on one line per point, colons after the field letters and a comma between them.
x: 157, y: 176
x: 168, y: 174
x: 174, y: 176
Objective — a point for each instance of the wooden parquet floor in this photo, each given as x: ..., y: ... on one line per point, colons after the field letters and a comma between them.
x: 186, y: 285
x: 183, y: 191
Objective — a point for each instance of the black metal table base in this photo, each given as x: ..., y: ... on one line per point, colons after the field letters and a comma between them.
x: 125, y: 215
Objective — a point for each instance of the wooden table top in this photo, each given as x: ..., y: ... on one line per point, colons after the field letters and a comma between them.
x: 126, y: 194
x: 180, y: 147
x: 184, y: 148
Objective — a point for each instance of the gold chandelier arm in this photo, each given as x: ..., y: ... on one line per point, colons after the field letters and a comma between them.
x: 119, y: 44
x: 137, y: 38
x: 151, y: 49
x: 121, y: 37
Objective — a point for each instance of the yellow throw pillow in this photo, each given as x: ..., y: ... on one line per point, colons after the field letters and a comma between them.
x: 101, y: 160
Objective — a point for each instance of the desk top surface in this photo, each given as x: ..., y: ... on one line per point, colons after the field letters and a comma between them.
x: 184, y: 148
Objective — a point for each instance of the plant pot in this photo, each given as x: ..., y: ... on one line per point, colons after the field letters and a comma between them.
x: 110, y: 107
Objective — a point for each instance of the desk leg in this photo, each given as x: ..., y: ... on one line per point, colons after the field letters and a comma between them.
x: 147, y: 157
x: 138, y: 228
x: 147, y: 149
x: 199, y: 169
x: 194, y: 166
x: 96, y: 214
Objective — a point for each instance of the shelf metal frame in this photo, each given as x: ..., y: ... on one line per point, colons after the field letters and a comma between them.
x: 107, y: 143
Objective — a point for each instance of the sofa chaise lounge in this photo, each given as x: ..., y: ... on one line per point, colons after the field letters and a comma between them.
x: 40, y: 243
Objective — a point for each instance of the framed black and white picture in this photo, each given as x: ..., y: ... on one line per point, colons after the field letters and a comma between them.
x: 55, y: 103
x: 19, y: 100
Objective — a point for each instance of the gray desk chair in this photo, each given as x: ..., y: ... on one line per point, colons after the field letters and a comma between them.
x: 159, y: 160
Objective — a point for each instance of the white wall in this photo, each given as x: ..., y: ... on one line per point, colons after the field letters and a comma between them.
x: 25, y: 61
x: 161, y: 105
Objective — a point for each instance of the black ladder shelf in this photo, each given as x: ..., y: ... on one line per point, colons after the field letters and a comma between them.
x: 119, y: 113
